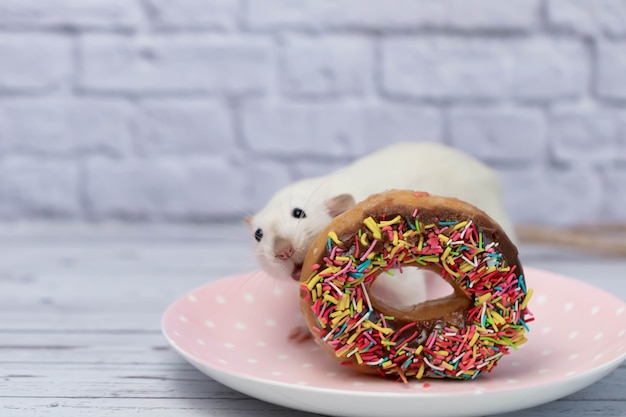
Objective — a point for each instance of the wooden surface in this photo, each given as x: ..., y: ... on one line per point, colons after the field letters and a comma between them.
x: 80, y: 311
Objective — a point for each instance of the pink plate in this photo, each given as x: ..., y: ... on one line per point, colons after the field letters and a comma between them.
x: 235, y: 330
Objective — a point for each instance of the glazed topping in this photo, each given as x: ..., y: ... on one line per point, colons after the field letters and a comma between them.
x: 458, y: 343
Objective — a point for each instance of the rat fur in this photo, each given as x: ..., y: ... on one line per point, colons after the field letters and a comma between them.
x: 285, y: 228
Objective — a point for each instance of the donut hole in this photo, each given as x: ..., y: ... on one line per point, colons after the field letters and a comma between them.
x: 410, y: 287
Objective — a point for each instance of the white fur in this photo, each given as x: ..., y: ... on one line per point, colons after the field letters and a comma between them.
x: 276, y: 220
x: 431, y: 167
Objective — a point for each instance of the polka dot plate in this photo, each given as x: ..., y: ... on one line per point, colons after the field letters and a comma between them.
x: 235, y: 331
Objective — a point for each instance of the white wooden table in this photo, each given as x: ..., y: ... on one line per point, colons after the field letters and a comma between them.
x: 80, y: 311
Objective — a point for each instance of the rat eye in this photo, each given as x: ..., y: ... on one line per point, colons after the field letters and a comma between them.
x: 258, y: 235
x: 298, y: 213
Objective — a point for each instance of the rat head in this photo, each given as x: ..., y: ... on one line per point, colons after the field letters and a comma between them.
x: 285, y: 228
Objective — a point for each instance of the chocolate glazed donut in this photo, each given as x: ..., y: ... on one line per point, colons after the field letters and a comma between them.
x: 459, y: 336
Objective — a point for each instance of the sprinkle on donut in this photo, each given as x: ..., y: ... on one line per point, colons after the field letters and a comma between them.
x: 461, y: 344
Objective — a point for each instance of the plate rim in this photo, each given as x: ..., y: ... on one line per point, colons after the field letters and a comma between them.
x: 575, y: 382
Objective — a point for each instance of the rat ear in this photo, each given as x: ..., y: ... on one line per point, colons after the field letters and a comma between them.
x: 247, y: 219
x: 339, y: 204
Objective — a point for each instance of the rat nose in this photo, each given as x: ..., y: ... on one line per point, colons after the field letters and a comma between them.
x: 283, y: 248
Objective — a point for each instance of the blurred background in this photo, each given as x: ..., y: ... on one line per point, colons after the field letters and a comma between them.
x: 195, y: 110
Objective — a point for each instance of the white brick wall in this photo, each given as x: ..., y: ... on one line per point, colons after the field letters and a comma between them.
x: 392, y: 14
x: 334, y: 130
x: 33, y: 63
x: 200, y: 109
x: 485, y: 132
x: 484, y: 68
x: 59, y: 14
x: 65, y: 127
x: 326, y: 66
x: 610, y: 80
x: 173, y: 64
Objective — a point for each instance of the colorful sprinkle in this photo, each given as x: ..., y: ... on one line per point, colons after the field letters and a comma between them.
x: 495, y: 322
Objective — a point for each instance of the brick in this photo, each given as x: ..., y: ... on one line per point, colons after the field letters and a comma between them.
x: 611, y: 64
x: 368, y: 14
x: 580, y: 135
x: 318, y: 167
x: 21, y: 58
x: 265, y: 177
x: 615, y: 195
x: 38, y: 188
x: 589, y: 17
x: 334, y: 130
x: 174, y: 64
x: 491, y: 14
x: 65, y: 127
x: 510, y: 134
x: 183, y: 127
x: 549, y: 196
x: 620, y: 142
x: 442, y: 67
x: 70, y: 13
x: 392, y: 14
x: 326, y: 66
x: 163, y: 188
x: 193, y: 14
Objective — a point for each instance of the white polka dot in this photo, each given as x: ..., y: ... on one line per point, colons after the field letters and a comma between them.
x: 573, y: 335
x: 261, y: 343
x: 619, y: 311
x: 276, y: 373
x: 209, y: 323
x: 619, y: 349
x: 569, y: 307
x: 546, y: 330
x: 570, y: 373
x: 541, y: 299
x: 282, y: 356
x: 278, y: 291
x: 302, y: 383
x: 248, y: 297
x: 183, y: 319
x: 201, y: 342
x: 270, y: 323
x: 240, y: 326
x: 598, y: 336
x: 511, y: 381
x: 331, y: 374
x: 543, y: 371
x: 621, y: 333
x: 192, y: 298
x: 598, y: 356
x: 252, y: 360
x: 358, y: 384
x: 229, y: 345
x: 595, y: 310
x: 223, y: 361
x: 176, y: 333
x: 220, y: 299
x: 573, y: 356
x: 546, y: 352
x: 307, y: 365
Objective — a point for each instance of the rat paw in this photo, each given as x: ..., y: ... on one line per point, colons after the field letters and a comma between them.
x: 299, y: 334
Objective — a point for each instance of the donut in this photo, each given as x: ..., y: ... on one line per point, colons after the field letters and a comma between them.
x: 459, y: 336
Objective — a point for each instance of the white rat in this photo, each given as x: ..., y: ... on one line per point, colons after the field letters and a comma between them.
x: 285, y: 228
